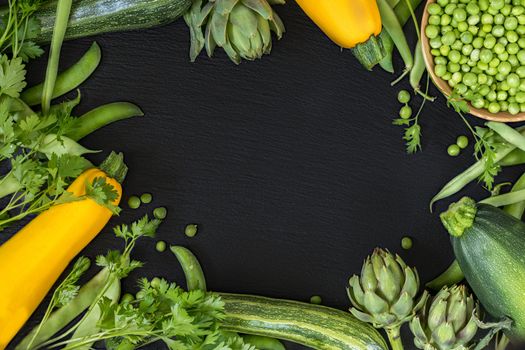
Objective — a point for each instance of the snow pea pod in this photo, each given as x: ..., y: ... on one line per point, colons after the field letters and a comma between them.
x: 102, y: 116
x: 69, y: 79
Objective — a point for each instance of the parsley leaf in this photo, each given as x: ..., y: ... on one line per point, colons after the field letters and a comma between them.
x: 103, y: 193
x: 12, y: 76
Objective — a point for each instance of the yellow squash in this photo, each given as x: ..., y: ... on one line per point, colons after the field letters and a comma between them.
x: 33, y: 259
x: 351, y: 24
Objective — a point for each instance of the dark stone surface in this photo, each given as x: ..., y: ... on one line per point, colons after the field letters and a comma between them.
x: 290, y: 165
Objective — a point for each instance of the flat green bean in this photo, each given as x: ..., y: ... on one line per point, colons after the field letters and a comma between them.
x: 452, y: 275
x: 67, y: 313
x: 69, y: 79
x: 191, y: 267
x: 102, y: 116
x: 394, y: 29
x: 59, y: 31
x: 416, y: 74
x: 505, y: 199
x: 509, y: 134
x: 263, y: 343
x: 474, y: 171
x: 517, y: 209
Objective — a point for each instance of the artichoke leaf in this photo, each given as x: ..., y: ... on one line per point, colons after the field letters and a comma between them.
x: 260, y: 6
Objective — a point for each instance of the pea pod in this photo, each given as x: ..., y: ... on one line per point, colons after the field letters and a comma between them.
x: 191, y: 267
x: 69, y: 79
x: 517, y: 209
x: 263, y: 343
x: 102, y: 116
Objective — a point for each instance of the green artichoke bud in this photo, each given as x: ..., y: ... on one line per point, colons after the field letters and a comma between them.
x: 241, y: 27
x: 385, y: 293
x: 449, y: 321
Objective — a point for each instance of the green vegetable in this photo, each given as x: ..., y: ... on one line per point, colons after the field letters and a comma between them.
x: 263, y: 343
x: 488, y: 244
x: 69, y: 79
x: 451, y: 276
x: 160, y: 212
x: 190, y: 230
x: 477, y: 52
x: 146, y: 198
x: 93, y: 17
x: 406, y: 243
x: 314, y: 326
x: 405, y: 112
x: 191, y: 267
x: 316, y: 299
x: 416, y: 74
x: 62, y: 14
x: 133, y: 202
x: 462, y: 142
x: 102, y: 116
x: 403, y: 96
x: 160, y: 246
x: 386, y: 294
x: 517, y: 209
x: 242, y: 28
x: 453, y: 150
x: 394, y: 29
x: 449, y: 321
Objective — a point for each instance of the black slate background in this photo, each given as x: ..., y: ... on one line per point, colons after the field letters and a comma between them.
x: 290, y: 165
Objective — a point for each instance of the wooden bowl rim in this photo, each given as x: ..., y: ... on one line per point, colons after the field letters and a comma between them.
x: 445, y: 88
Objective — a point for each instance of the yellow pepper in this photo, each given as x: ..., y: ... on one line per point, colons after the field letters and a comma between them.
x: 34, y: 258
x: 351, y: 24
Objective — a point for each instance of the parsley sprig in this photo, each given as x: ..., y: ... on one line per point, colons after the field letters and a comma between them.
x: 162, y: 311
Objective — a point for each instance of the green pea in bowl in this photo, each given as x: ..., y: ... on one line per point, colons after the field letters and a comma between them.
x: 467, y: 79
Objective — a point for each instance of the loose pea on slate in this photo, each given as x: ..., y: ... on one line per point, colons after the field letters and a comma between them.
x: 479, y: 49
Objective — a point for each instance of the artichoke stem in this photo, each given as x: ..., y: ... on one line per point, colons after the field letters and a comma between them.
x: 394, y: 338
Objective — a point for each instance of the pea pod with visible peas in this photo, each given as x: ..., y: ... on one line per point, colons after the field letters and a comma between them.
x: 69, y: 79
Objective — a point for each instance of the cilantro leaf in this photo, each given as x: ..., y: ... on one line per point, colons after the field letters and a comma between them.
x: 412, y: 137
x: 29, y: 50
x: 103, y: 193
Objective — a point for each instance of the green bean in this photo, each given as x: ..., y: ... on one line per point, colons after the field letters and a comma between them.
x: 59, y: 31
x: 511, y: 135
x: 403, y: 13
x: 473, y: 172
x: 516, y: 157
x: 67, y: 313
x: 69, y: 79
x: 416, y: 74
x: 102, y: 116
x: 386, y: 63
x: 517, y: 209
x: 393, y: 3
x: 191, y: 267
x: 505, y: 199
x: 263, y: 343
x: 394, y: 29
x: 452, y: 275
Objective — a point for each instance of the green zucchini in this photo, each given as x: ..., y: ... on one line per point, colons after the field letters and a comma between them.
x: 489, y: 245
x: 318, y: 327
x: 92, y: 17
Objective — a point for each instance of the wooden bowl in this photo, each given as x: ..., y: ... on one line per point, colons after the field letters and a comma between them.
x: 445, y: 88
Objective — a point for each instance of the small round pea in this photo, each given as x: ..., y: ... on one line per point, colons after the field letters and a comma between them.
x: 190, y: 230
x: 494, y: 107
x: 146, y: 198
x: 406, y: 243
x: 434, y: 9
x: 403, y: 96
x: 514, y: 108
x: 316, y: 299
x: 160, y: 246
x: 504, y: 68
x: 462, y: 141
x: 133, y: 202
x: 160, y: 213
x: 431, y: 31
x: 453, y: 150
x: 405, y: 112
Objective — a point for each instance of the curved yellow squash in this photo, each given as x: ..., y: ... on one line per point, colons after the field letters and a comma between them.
x: 346, y: 22
x: 33, y: 259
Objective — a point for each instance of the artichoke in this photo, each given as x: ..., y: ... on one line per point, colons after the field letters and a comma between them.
x: 448, y: 322
x: 385, y: 293
x: 241, y: 27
